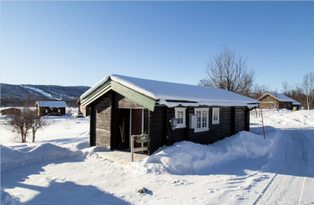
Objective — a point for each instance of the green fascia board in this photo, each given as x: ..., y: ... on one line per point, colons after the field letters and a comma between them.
x: 96, y: 94
x: 143, y: 100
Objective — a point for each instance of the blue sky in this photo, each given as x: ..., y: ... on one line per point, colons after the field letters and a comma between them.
x: 79, y: 43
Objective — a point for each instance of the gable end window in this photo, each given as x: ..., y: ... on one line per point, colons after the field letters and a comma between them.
x: 180, y: 116
x: 202, y: 119
x: 215, y: 117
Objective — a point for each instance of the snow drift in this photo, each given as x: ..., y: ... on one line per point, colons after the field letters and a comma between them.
x: 191, y: 158
x: 11, y: 158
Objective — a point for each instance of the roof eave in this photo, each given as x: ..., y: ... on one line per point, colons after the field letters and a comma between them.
x: 108, y: 85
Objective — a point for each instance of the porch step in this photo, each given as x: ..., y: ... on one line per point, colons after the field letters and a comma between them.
x: 121, y: 156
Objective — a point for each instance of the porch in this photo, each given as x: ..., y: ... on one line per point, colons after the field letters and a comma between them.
x: 123, y: 157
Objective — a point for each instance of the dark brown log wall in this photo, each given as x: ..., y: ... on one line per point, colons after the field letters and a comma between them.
x: 232, y: 120
x: 157, y: 127
x: 240, y: 119
x: 123, y: 102
x: 92, y: 127
x: 101, y: 118
x: 179, y: 134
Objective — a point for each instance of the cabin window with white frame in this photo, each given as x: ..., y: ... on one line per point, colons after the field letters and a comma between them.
x: 215, y: 116
x: 180, y: 116
x: 202, y: 119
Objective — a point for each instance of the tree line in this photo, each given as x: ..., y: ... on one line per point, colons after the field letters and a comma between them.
x: 229, y: 71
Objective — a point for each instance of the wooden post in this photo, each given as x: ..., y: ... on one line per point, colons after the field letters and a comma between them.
x: 138, y: 149
x: 263, y: 123
x: 233, y: 119
x: 132, y: 148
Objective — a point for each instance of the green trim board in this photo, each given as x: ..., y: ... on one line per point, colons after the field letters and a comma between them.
x: 143, y: 100
x: 96, y: 94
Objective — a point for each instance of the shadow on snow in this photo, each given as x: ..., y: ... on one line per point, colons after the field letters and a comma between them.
x: 65, y: 192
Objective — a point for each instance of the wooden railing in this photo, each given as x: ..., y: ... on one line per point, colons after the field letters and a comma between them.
x: 138, y: 149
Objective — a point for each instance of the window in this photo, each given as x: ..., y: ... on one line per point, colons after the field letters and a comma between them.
x: 202, y: 119
x: 215, y: 116
x: 180, y: 116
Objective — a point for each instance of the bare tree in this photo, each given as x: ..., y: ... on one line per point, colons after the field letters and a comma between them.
x: 24, y: 122
x: 308, y: 86
x: 20, y: 123
x: 37, y: 122
x: 286, y: 88
x: 230, y: 72
x: 258, y: 91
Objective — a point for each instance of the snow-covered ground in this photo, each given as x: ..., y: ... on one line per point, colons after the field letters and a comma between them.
x: 61, y: 168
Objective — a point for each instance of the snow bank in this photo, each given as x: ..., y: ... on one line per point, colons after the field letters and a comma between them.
x: 191, y: 158
x: 284, y: 117
x: 11, y: 158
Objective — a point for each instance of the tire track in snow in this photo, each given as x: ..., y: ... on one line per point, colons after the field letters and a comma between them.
x: 271, y: 181
x: 306, y: 196
x: 288, y: 184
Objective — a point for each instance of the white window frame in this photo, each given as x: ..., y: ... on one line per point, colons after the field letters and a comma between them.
x: 215, y: 121
x: 180, y: 109
x: 202, y: 128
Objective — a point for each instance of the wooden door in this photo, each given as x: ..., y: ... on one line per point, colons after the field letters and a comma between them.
x: 136, y: 123
x: 123, y: 128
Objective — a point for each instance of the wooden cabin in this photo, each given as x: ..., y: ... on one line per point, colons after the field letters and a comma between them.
x: 123, y: 106
x: 84, y: 110
x: 10, y: 111
x: 56, y: 108
x: 277, y: 101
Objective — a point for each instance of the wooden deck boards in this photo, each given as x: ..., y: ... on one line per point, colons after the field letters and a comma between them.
x: 121, y: 156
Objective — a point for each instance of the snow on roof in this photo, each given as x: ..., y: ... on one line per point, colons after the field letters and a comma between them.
x: 174, y: 94
x: 51, y: 104
x: 283, y: 98
x: 296, y: 103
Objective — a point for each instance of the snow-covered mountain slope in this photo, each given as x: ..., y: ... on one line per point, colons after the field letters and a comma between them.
x: 41, y: 92
x: 16, y: 95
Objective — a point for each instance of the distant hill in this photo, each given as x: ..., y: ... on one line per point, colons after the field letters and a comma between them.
x: 17, y: 95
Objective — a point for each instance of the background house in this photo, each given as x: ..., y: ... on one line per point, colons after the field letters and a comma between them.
x: 277, y: 101
x: 83, y: 109
x: 50, y: 108
x: 125, y: 106
x: 10, y: 111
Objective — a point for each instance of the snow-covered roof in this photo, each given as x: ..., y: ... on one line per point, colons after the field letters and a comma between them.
x: 174, y: 94
x: 282, y: 98
x: 51, y: 104
x: 296, y: 103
